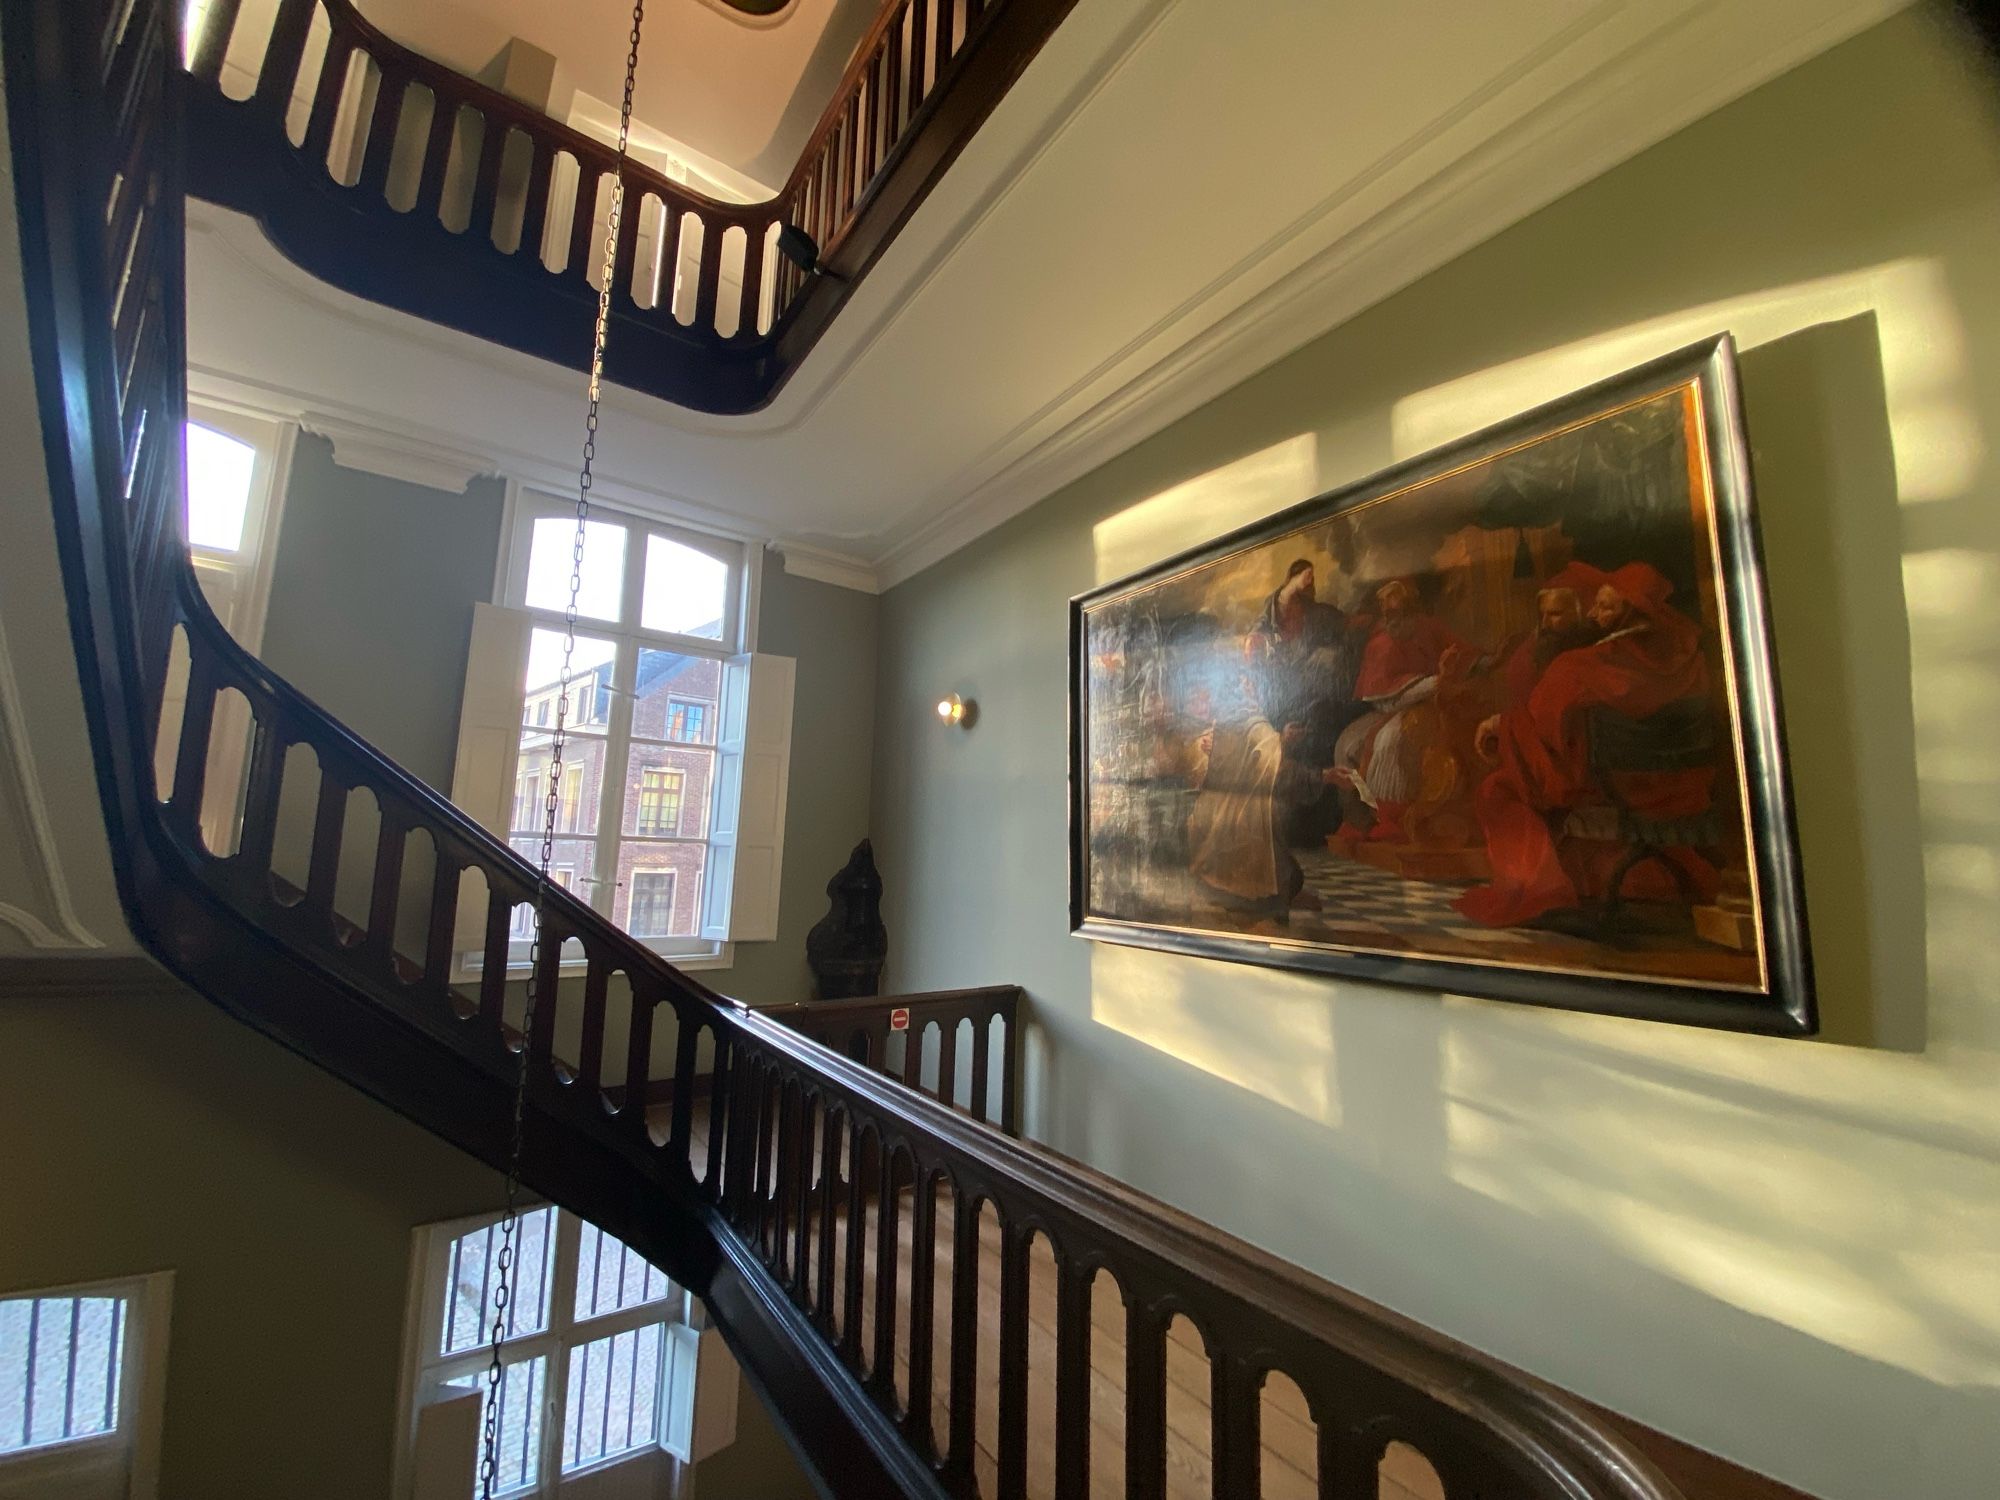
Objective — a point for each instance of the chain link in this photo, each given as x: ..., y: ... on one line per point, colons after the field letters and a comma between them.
x: 489, y: 1465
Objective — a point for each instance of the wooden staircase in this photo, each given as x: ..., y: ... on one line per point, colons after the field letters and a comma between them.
x: 930, y: 1307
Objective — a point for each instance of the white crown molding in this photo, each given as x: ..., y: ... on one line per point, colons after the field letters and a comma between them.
x: 839, y: 568
x: 1630, y: 98
x: 64, y: 929
x: 373, y: 449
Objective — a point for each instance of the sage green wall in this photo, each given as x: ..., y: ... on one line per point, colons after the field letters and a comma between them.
x: 1783, y: 1251
x: 371, y: 601
x: 150, y: 1132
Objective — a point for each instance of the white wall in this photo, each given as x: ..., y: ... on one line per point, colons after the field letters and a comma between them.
x: 1786, y: 1252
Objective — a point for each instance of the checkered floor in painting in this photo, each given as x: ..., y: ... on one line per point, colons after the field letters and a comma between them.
x: 1359, y: 897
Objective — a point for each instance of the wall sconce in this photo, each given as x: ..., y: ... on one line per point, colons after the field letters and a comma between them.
x: 956, y: 712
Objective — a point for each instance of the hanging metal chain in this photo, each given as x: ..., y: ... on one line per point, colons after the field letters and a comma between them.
x: 489, y: 1465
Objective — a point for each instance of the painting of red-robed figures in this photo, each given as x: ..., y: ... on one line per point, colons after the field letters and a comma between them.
x: 1501, y: 721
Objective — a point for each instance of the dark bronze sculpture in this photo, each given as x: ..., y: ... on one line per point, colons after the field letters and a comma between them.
x: 846, y: 947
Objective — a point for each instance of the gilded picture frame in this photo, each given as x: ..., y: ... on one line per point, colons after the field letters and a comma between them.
x: 1501, y: 720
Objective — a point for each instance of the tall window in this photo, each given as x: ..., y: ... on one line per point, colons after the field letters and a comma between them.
x: 589, y: 1372
x: 660, y: 800
x: 686, y: 720
x: 81, y: 1372
x: 658, y: 610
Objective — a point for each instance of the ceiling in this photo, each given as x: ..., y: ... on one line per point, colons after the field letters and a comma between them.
x: 1177, y: 193
x: 743, y: 91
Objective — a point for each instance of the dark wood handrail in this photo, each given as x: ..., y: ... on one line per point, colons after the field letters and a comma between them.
x: 746, y: 1192
x: 715, y: 318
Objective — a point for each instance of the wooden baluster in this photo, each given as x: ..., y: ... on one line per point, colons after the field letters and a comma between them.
x: 486, y: 182
x: 973, y: 10
x: 191, y: 759
x: 855, y: 1267
x: 318, y: 143
x: 260, y: 804
x: 767, y: 1126
x: 871, y: 125
x: 1073, y: 1278
x: 437, y: 158
x: 1146, y: 1404
x: 216, y: 28
x: 535, y: 206
x: 1349, y: 1462
x: 383, y: 122
x: 548, y: 976
x: 628, y: 248
x: 493, y: 958
x: 687, y: 1040
x: 829, y: 1185
x: 919, y: 22
x: 772, y: 1242
x: 583, y: 245
x: 1010, y: 1082
x: 737, y: 1164
x: 439, y: 941
x: 273, y: 95
x: 639, y: 1061
x: 1235, y: 1413
x: 913, y: 1054
x: 982, y: 1061
x: 753, y: 280
x: 923, y: 1273
x: 882, y: 1369
x: 947, y: 1082
x: 721, y: 1118
x: 944, y: 35
x: 964, y: 1386
x: 708, y: 278
x: 892, y: 86
x: 845, y: 188
x: 384, y: 893
x: 802, y: 1219
x: 1013, y: 1454
x: 590, y: 1047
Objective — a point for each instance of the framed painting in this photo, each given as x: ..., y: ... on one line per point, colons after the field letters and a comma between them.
x: 1499, y: 721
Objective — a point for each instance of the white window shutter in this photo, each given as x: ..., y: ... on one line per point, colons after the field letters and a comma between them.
x: 700, y: 1416
x: 752, y: 775
x: 489, y: 735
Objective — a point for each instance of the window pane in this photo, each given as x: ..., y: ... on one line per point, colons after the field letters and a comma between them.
x: 614, y: 1396
x: 590, y: 695
x: 60, y: 1359
x: 218, y: 488
x: 611, y: 1275
x: 519, y: 1441
x: 550, y: 555
x: 676, y: 697
x: 667, y: 792
x: 687, y: 592
x: 472, y: 1275
x: 659, y: 891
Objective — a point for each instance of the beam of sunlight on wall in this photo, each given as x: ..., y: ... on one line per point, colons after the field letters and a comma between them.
x: 1206, y: 506
x: 1274, y: 1039
x: 1938, y: 443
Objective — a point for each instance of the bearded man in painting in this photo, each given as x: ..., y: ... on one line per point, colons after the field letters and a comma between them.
x: 1379, y: 756
x: 1249, y: 778
x: 1646, y: 655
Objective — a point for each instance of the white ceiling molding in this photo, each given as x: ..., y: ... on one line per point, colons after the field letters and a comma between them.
x: 375, y: 450
x: 1636, y: 95
x: 1006, y: 344
x: 838, y: 568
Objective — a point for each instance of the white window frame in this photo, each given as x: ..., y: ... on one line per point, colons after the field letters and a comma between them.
x: 134, y: 1443
x: 252, y: 564
x: 426, y: 1370
x: 711, y: 946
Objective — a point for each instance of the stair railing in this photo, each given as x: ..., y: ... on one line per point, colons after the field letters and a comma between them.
x: 392, y: 175
x: 800, y: 1185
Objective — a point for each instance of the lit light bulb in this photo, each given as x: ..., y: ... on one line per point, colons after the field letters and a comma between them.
x: 945, y: 709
